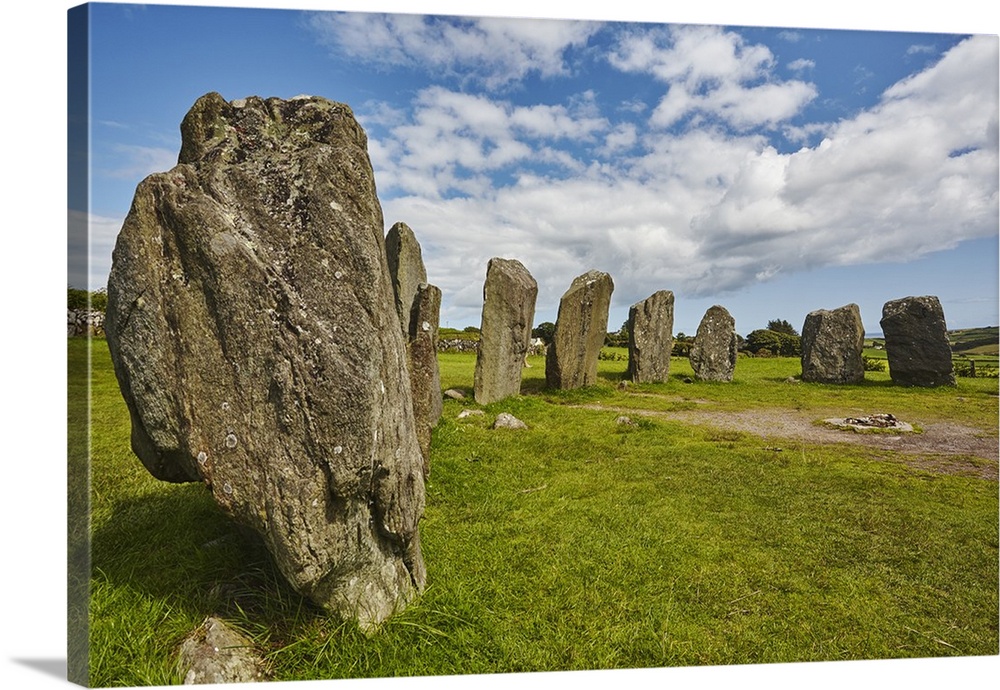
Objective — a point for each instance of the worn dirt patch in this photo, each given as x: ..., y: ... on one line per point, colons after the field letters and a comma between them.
x: 942, y: 447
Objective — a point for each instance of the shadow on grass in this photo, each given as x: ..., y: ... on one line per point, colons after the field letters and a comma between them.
x: 176, y: 545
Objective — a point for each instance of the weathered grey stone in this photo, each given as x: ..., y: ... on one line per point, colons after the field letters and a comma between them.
x: 454, y: 394
x: 251, y: 327
x: 833, y: 343
x: 215, y: 653
x: 916, y: 342
x: 581, y: 326
x: 425, y: 377
x: 713, y: 353
x: 406, y: 269
x: 651, y: 338
x: 505, y: 420
x: 505, y: 331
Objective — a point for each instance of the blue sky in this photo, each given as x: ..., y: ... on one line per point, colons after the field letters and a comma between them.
x: 772, y: 170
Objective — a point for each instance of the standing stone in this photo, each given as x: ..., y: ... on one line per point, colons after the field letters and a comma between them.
x: 581, y: 326
x: 505, y: 330
x: 651, y: 338
x: 406, y: 269
x: 425, y: 377
x: 832, y: 346
x: 418, y: 306
x: 713, y: 354
x: 916, y: 342
x: 251, y: 327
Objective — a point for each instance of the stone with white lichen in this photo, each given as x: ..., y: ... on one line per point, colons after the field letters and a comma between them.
x: 251, y: 325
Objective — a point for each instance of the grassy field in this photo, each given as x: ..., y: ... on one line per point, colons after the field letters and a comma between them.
x: 584, y: 544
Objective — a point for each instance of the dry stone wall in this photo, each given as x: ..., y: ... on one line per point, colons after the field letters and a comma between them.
x: 80, y: 322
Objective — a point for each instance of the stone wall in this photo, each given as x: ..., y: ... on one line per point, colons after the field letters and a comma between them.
x: 80, y: 322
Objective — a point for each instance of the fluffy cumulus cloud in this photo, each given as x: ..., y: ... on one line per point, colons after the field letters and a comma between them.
x: 699, y: 210
x: 712, y: 72
x: 452, y: 141
x: 492, y: 51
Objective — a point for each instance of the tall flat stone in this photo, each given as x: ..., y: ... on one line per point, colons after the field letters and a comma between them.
x: 651, y: 338
x: 251, y: 327
x: 581, y: 326
x: 406, y: 269
x: 505, y: 330
x: 916, y: 342
x: 833, y: 343
x: 425, y: 377
x: 713, y: 354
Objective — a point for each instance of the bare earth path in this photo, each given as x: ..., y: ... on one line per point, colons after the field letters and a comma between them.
x: 941, y: 447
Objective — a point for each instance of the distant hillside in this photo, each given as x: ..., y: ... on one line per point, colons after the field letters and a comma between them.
x: 978, y: 339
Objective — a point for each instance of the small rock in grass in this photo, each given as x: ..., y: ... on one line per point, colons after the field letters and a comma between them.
x: 624, y: 421
x: 505, y: 420
x: 215, y: 653
x: 454, y: 394
x: 470, y: 413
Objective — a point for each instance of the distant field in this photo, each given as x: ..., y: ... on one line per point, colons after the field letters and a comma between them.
x: 979, y: 345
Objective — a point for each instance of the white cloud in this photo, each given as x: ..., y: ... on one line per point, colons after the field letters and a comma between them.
x: 490, y: 50
x: 704, y: 210
x: 711, y: 72
x: 453, y: 139
x: 136, y: 162
x: 91, y: 239
x: 801, y: 64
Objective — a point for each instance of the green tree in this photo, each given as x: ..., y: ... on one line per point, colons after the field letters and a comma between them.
x: 682, y: 345
x: 618, y: 339
x: 773, y: 342
x: 78, y: 299
x: 545, y: 331
x: 781, y: 326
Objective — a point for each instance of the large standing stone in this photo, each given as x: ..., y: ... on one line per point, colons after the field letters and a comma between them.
x: 713, y: 354
x: 505, y: 331
x: 916, y: 342
x: 406, y: 269
x: 832, y: 346
x: 425, y: 377
x: 651, y: 338
x: 251, y: 327
x: 581, y: 326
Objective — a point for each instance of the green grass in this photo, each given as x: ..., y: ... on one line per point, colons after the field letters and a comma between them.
x: 581, y: 544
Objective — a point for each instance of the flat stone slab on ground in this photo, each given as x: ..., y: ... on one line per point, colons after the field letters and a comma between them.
x: 852, y: 423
